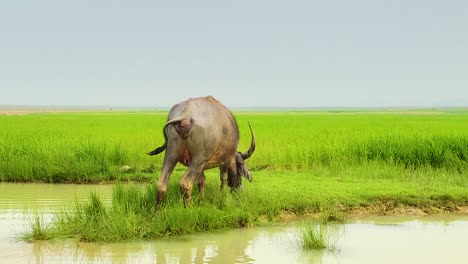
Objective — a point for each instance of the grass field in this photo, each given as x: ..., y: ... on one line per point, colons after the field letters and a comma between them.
x: 91, y: 147
x: 305, y: 162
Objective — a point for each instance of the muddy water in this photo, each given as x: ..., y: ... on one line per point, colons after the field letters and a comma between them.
x: 441, y: 239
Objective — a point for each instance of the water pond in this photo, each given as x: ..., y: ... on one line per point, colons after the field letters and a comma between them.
x: 435, y: 239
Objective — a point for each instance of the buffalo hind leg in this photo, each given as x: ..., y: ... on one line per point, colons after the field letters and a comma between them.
x: 166, y: 172
x: 201, y: 185
x: 186, y: 183
x: 171, y: 157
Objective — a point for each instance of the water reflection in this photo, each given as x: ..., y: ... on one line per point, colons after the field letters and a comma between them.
x: 223, y: 247
x: 277, y: 244
x: 415, y: 241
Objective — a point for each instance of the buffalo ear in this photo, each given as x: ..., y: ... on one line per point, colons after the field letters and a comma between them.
x: 242, y: 168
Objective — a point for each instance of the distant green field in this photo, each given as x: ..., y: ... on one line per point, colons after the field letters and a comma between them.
x: 91, y: 147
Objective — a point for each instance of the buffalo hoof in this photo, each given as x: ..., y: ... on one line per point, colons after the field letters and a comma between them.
x: 187, y: 194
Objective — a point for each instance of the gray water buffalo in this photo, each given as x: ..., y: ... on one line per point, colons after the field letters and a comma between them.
x: 201, y: 133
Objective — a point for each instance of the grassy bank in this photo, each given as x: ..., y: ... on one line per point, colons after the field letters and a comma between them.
x: 273, y: 196
x: 92, y: 147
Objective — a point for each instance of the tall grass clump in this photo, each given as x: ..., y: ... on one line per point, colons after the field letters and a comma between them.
x: 322, y: 236
x: 314, y: 237
x: 130, y: 215
x: 39, y: 230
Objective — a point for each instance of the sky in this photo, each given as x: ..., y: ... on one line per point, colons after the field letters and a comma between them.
x: 323, y: 53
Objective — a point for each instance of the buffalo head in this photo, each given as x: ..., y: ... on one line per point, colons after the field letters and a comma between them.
x: 235, y: 173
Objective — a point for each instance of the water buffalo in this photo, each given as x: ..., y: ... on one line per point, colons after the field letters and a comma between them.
x: 201, y: 133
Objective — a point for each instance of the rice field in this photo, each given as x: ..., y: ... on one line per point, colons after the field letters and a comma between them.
x: 93, y: 147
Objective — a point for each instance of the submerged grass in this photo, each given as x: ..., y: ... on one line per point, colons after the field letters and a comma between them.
x: 39, y: 230
x: 314, y: 237
x: 320, y: 236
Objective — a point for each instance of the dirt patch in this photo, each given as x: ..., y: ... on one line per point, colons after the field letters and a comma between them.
x: 289, y: 216
x: 375, y: 210
x: 25, y: 111
x: 12, y: 112
x: 405, y: 210
x: 18, y: 112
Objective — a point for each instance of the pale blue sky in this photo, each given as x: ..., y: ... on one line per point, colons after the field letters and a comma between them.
x: 246, y: 53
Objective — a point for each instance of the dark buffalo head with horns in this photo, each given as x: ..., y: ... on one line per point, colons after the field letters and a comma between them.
x: 201, y: 133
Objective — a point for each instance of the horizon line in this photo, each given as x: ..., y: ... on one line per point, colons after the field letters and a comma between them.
x: 164, y: 108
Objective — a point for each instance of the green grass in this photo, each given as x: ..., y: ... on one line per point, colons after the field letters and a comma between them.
x: 39, y: 231
x: 320, y: 236
x: 314, y: 237
x: 131, y: 216
x: 91, y: 147
x: 305, y: 162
